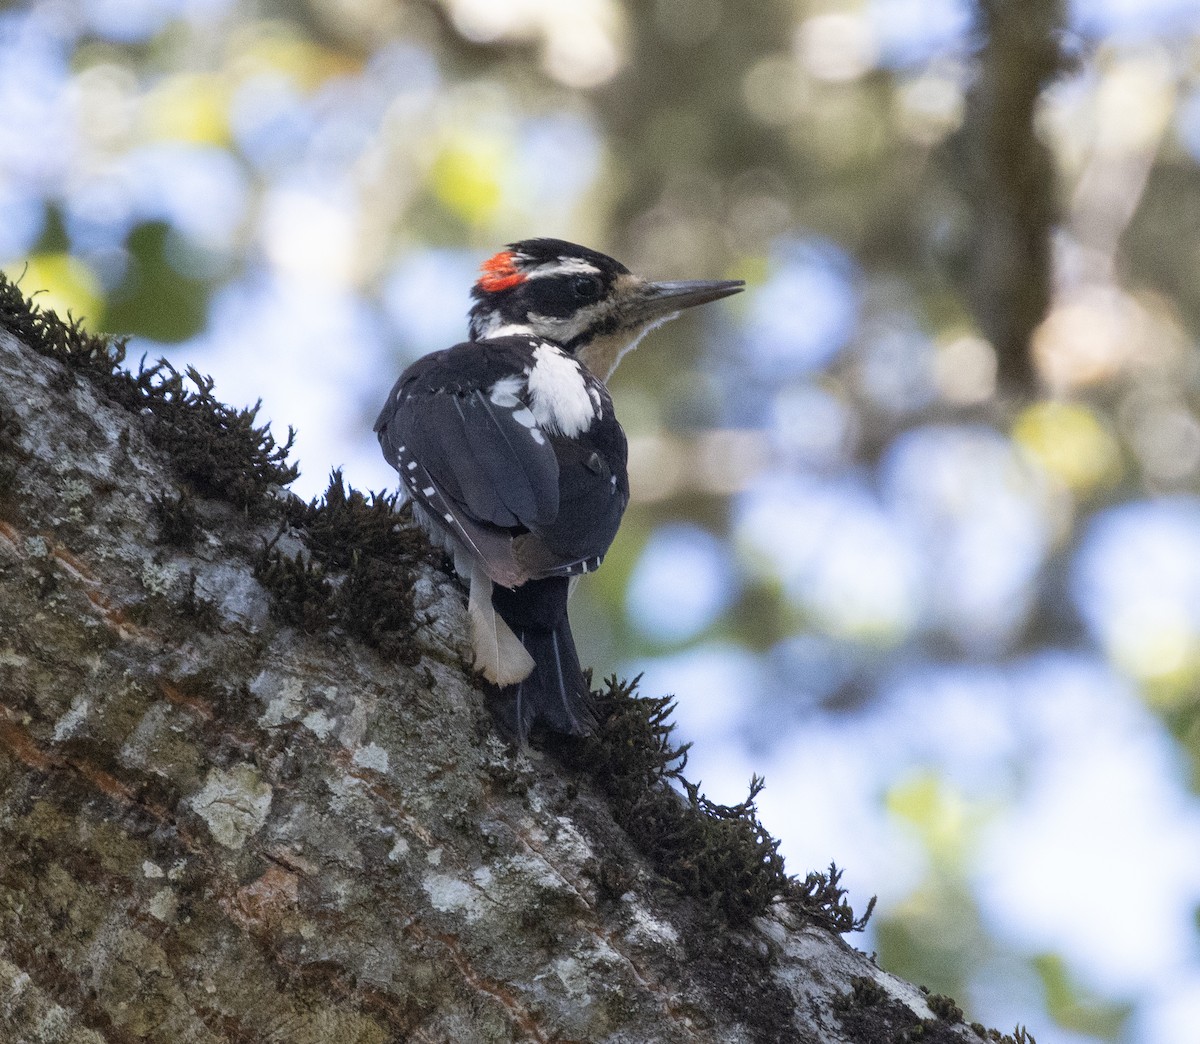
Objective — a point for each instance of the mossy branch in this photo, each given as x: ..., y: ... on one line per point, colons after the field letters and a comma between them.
x: 290, y: 790
x: 219, y: 450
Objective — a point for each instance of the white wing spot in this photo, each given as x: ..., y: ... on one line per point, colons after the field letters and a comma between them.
x: 538, y: 437
x: 525, y: 418
x: 429, y: 491
x: 506, y: 392
x: 411, y: 465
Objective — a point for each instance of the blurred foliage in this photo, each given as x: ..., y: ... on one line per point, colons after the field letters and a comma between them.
x: 1075, y: 1007
x: 953, y: 426
x: 155, y: 299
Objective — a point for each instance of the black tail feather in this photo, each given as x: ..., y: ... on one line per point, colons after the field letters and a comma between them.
x: 556, y: 692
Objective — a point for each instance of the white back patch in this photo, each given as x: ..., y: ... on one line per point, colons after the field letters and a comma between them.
x: 558, y: 392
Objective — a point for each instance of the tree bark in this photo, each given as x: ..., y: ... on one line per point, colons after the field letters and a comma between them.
x: 216, y: 827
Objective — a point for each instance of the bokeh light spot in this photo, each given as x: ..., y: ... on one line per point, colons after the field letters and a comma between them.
x: 466, y: 178
x: 62, y: 283
x: 837, y: 47
x: 835, y: 552
x: 806, y: 311
x: 965, y: 369
x: 682, y: 581
x: 940, y: 815
x: 189, y: 107
x: 977, y: 516
x: 812, y: 426
x: 1069, y: 441
x: 1136, y: 582
x: 1086, y: 338
x: 307, y: 235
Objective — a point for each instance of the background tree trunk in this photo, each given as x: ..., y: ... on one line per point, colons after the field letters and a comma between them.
x: 215, y: 826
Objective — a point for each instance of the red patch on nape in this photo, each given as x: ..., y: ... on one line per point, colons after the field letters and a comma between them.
x: 500, y: 272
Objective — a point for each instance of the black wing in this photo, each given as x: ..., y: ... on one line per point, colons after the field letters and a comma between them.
x: 593, y: 494
x: 468, y: 451
x: 481, y: 449
x: 458, y: 428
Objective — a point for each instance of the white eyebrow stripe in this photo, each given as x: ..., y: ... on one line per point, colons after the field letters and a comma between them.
x: 563, y: 266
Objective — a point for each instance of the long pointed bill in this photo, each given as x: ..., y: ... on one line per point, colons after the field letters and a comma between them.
x: 662, y: 299
x: 642, y: 306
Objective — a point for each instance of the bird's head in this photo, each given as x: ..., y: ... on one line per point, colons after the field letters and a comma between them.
x: 584, y: 301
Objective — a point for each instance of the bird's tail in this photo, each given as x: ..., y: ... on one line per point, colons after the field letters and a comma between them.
x: 555, y: 692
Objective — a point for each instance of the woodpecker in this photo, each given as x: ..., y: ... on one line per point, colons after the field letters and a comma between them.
x: 511, y: 454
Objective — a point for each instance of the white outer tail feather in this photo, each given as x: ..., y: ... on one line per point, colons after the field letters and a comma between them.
x: 499, y: 655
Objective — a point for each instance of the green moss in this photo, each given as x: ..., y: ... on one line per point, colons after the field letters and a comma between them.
x: 178, y: 522
x: 216, y: 449
x: 358, y: 573
x: 301, y: 594
x: 820, y: 898
x: 721, y: 855
x: 870, y: 1015
x: 944, y: 1007
x: 864, y: 993
x: 344, y: 526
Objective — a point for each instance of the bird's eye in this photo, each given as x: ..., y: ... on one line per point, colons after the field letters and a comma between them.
x: 586, y: 288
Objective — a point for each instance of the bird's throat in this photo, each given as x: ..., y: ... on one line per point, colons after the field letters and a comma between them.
x: 603, y: 352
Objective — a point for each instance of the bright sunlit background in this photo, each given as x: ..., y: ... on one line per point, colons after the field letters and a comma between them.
x: 957, y: 631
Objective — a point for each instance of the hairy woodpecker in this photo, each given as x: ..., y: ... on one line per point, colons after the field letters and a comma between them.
x: 514, y: 461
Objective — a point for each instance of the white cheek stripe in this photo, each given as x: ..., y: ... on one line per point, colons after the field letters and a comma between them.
x: 558, y: 392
